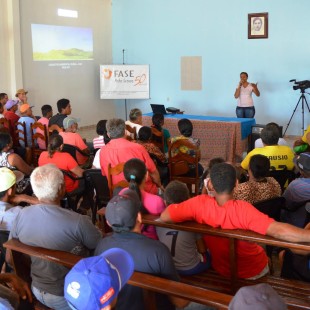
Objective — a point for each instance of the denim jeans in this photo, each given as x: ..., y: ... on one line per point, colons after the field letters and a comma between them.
x: 248, y: 112
x: 50, y: 300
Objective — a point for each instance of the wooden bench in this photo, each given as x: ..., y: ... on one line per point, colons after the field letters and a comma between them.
x: 296, y: 293
x: 151, y: 284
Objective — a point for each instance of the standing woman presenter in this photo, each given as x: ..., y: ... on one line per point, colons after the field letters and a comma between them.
x: 245, y: 106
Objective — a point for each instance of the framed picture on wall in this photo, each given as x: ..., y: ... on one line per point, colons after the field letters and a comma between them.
x: 258, y: 26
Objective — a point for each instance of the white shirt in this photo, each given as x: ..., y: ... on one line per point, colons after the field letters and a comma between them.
x: 259, y: 142
x: 245, y: 98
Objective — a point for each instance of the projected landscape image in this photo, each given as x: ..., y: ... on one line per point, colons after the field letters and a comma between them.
x: 50, y: 42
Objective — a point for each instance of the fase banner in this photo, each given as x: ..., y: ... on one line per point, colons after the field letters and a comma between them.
x: 124, y: 82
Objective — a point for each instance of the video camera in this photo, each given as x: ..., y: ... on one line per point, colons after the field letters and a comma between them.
x: 302, y: 85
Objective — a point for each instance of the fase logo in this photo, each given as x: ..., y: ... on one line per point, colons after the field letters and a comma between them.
x: 124, y: 76
x: 107, y: 73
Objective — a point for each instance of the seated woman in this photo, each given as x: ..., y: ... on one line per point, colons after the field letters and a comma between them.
x: 259, y: 187
x: 135, y: 173
x: 185, y: 127
x: 135, y: 121
x: 158, y: 121
x: 13, y: 161
x: 63, y: 161
x: 156, y: 154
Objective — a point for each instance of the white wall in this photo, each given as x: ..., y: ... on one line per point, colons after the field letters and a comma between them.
x: 47, y: 84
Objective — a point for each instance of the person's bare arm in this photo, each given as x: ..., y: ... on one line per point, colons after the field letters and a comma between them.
x: 16, y: 161
x: 156, y: 178
x: 17, y: 199
x: 16, y: 284
x: 165, y: 216
x: 288, y: 232
x: 78, y: 171
x: 201, y: 246
x: 237, y: 92
x: 255, y: 90
x: 179, y: 302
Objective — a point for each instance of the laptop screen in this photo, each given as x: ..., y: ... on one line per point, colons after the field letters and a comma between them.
x: 158, y: 108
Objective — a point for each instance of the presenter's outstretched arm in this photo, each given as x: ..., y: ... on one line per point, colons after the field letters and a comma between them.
x: 255, y: 89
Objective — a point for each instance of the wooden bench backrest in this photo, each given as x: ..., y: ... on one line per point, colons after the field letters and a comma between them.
x: 20, y: 251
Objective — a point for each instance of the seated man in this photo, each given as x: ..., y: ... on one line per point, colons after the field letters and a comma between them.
x: 21, y: 96
x: 280, y: 156
x: 8, y: 212
x: 119, y: 150
x: 188, y: 249
x: 12, y: 117
x: 99, y: 278
x: 3, y: 98
x: 298, y: 193
x: 64, y: 109
x: 47, y: 113
x: 281, y: 141
x: 70, y: 136
x: 135, y: 120
x: 54, y: 228
x: 224, y: 212
x: 27, y: 117
x: 123, y: 214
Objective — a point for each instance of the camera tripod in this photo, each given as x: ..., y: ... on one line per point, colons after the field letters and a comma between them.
x: 303, y: 100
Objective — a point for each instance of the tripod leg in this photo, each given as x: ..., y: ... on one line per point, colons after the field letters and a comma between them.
x: 307, y: 104
x: 292, y: 116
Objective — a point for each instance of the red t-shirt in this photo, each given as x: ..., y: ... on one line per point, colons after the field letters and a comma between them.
x: 119, y: 151
x: 63, y: 161
x: 234, y: 214
x: 75, y: 139
x: 13, y: 118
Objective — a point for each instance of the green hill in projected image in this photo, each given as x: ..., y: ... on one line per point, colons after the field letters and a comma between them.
x: 70, y: 54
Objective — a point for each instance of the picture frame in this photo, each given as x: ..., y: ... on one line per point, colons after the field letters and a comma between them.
x: 258, y: 26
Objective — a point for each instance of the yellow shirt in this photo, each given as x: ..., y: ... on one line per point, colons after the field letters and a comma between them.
x: 304, y: 137
x: 280, y: 156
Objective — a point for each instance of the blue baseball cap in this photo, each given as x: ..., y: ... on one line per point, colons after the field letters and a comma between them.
x: 94, y: 282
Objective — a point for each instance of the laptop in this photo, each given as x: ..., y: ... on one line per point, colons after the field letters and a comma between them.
x: 158, y: 108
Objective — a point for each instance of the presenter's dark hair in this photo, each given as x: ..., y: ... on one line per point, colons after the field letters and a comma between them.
x: 5, y: 139
x: 259, y: 165
x: 62, y: 104
x: 176, y: 192
x: 158, y: 120
x: 270, y: 135
x: 223, y: 177
x: 185, y: 127
x: 145, y: 133
x: 245, y: 74
x: 46, y: 109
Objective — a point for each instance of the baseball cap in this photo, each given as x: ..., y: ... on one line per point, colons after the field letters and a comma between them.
x: 257, y: 297
x: 7, y: 179
x: 94, y: 282
x: 10, y: 104
x: 21, y: 91
x: 69, y: 121
x: 24, y: 107
x: 303, y: 161
x: 122, y: 210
